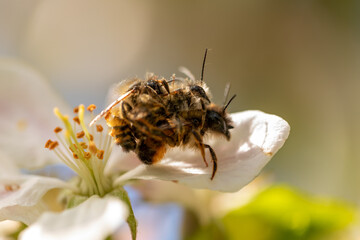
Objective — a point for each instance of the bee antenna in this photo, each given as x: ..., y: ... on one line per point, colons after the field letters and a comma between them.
x: 226, y: 93
x: 232, y: 98
x: 203, y: 66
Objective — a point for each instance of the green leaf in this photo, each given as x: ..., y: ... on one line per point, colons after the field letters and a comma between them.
x: 281, y: 212
x: 131, y: 220
x: 213, y: 231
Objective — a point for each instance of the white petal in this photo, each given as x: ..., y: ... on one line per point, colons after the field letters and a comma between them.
x: 7, y: 165
x: 20, y: 196
x: 26, y: 103
x: 257, y: 136
x: 95, y: 218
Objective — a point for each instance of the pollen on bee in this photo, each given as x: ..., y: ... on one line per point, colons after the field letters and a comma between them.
x: 76, y: 109
x: 47, y: 144
x: 80, y: 134
x: 112, y: 132
x: 100, y: 154
x: 107, y: 116
x: 77, y: 120
x: 99, y: 128
x: 92, y: 148
x: 53, y: 145
x: 91, y: 107
x: 57, y: 129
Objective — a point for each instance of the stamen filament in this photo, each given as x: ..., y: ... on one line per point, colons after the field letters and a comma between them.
x: 82, y: 124
x: 97, y: 175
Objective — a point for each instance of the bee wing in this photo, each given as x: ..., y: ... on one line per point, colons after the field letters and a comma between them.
x: 187, y: 73
x: 106, y: 110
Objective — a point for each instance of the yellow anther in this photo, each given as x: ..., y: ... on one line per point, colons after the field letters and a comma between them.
x: 91, y: 137
x: 83, y: 145
x: 99, y: 128
x: 76, y: 119
x: 80, y: 134
x: 91, y: 107
x: 53, y: 145
x: 92, y: 147
x: 75, y: 156
x: 11, y: 188
x: 87, y: 155
x: 47, y: 144
x: 57, y: 129
x: 100, y: 154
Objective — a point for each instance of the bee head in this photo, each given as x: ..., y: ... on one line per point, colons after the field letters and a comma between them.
x: 218, y: 120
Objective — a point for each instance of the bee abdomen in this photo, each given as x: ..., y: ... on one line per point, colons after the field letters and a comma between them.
x: 151, y: 151
x: 124, y: 137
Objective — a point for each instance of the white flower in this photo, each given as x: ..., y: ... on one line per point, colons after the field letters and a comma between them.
x: 24, y: 99
x: 256, y: 137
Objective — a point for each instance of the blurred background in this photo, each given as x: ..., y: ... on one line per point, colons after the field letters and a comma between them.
x: 296, y: 59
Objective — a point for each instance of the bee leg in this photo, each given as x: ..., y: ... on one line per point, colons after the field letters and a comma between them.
x: 203, y: 115
x: 198, y: 140
x: 166, y: 85
x: 214, y: 159
x: 142, y: 125
x: 125, y: 107
x: 153, y: 94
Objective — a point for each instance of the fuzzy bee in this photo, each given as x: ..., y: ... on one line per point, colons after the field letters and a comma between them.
x: 156, y: 114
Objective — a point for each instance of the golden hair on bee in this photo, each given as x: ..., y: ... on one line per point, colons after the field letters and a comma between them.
x: 149, y: 116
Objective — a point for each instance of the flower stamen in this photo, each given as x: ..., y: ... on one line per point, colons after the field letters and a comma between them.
x: 11, y: 188
x: 47, y: 144
x: 53, y: 145
x: 91, y: 107
x: 76, y: 119
x: 80, y: 134
x: 92, y: 148
x: 84, y: 152
x: 57, y: 129
x: 99, y: 128
x: 100, y: 154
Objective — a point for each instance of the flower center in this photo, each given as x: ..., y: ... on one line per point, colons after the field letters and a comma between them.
x: 86, y: 151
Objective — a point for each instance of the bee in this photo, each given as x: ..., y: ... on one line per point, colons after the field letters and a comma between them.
x: 155, y: 114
